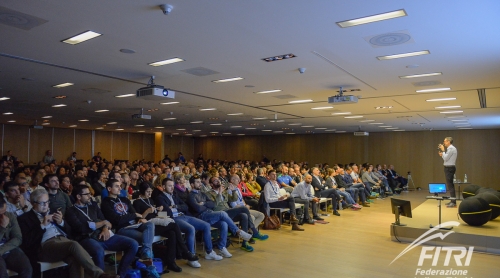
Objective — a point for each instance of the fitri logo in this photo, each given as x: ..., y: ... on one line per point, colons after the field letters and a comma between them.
x: 460, y: 255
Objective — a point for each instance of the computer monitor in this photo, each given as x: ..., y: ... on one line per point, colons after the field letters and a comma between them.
x: 437, y: 188
x: 400, y: 208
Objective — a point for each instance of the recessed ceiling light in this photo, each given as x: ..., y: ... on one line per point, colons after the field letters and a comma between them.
x: 46, y: 124
x: 459, y: 120
x: 103, y: 110
x: 421, y: 75
x: 159, y: 127
x: 203, y: 135
x: 321, y: 128
x: 126, y: 95
x: 141, y: 131
x: 279, y: 57
x: 4, y: 98
x: 301, y: 101
x: 83, y: 120
x: 307, y: 126
x: 399, y: 130
x: 63, y: 85
x: 214, y: 132
x: 454, y: 117
x: 176, y: 133
x: 234, y: 114
x: 226, y: 133
x: 340, y: 131
x: 385, y: 126
x: 441, y: 99
x: 46, y: 117
x: 85, y: 36
x: 366, y: 121
x: 322, y: 107
x: 181, y: 129
x: 404, y: 55
x: 267, y: 92
x: 119, y: 129
x: 266, y: 130
x: 463, y: 125
x: 353, y: 117
x: 8, y: 113
x: 451, y: 112
x: 241, y: 134
x: 376, y: 123
x: 447, y: 107
x: 208, y: 109
x: 188, y: 134
x: 76, y: 126
x: 250, y: 128
x: 290, y: 133
x: 433, y: 90
x: 372, y: 18
x: 59, y: 97
x: 95, y: 128
x: 216, y: 124
x: 11, y: 121
x: 392, y: 128
x: 341, y: 113
x: 228, y: 79
x: 59, y: 105
x: 169, y: 119
x: 138, y: 125
x: 295, y: 124
x: 330, y: 130
x: 383, y: 107
x: 235, y: 126
x: 278, y: 131
x: 112, y: 123
x: 196, y: 130
x: 166, y: 62
x: 465, y: 128
x: 197, y: 122
x: 260, y: 118
x: 167, y: 103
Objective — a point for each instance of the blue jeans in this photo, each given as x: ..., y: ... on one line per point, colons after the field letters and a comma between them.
x: 115, y: 243
x: 347, y: 197
x: 144, y: 235
x: 189, y: 225
x: 221, y: 221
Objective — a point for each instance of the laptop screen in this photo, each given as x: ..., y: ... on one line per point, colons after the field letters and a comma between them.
x: 437, y: 188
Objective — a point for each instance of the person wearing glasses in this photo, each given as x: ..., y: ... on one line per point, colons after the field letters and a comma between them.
x: 45, y: 239
x: 93, y: 231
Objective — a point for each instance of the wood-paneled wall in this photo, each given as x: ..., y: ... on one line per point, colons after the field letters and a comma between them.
x: 29, y: 145
x: 173, y: 145
x: 478, y: 151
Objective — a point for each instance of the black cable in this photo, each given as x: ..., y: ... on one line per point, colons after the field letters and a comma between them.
x: 394, y: 233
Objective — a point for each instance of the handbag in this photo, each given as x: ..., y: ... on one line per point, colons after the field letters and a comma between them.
x: 271, y: 222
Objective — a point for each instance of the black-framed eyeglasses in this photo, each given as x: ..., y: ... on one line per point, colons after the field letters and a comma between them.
x: 43, y: 203
x: 84, y: 194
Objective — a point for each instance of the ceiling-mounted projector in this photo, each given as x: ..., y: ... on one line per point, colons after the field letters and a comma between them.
x: 341, y: 99
x: 154, y: 90
x: 361, y: 133
x: 141, y: 115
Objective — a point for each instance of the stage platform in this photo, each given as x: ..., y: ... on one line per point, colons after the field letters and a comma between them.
x: 484, y: 238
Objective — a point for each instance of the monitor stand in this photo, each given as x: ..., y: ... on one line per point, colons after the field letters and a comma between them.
x: 436, y: 197
x: 397, y: 222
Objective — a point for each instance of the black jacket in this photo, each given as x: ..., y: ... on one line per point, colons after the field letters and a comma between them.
x: 79, y: 222
x: 195, y: 198
x: 163, y: 200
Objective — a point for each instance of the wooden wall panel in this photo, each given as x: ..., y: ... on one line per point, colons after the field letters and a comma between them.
x: 103, y: 143
x: 136, y: 146
x: 41, y: 141
x: 83, y: 143
x: 173, y: 145
x: 478, y: 151
x: 16, y: 140
x: 149, y: 147
x: 120, y: 146
x: 63, y: 143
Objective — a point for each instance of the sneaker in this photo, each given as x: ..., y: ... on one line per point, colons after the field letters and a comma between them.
x: 309, y: 221
x: 151, y: 272
x: 451, y: 205
x: 213, y: 256
x: 190, y: 256
x: 194, y: 264
x: 110, y: 259
x: 251, y: 241
x: 318, y: 218
x: 336, y: 213
x: 245, y: 246
x: 369, y: 201
x: 260, y: 236
x: 244, y: 235
x: 224, y: 253
x: 365, y: 204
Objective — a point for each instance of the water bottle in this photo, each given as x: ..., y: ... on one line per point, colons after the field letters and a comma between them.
x: 465, y: 178
x: 454, y: 178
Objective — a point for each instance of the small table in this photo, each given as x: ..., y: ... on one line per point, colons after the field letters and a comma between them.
x: 460, y: 192
x: 439, y: 205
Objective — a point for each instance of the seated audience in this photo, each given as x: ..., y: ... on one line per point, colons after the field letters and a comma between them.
x: 344, y: 180
x: 302, y: 195
x: 321, y: 191
x: 16, y: 202
x: 58, y: 199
